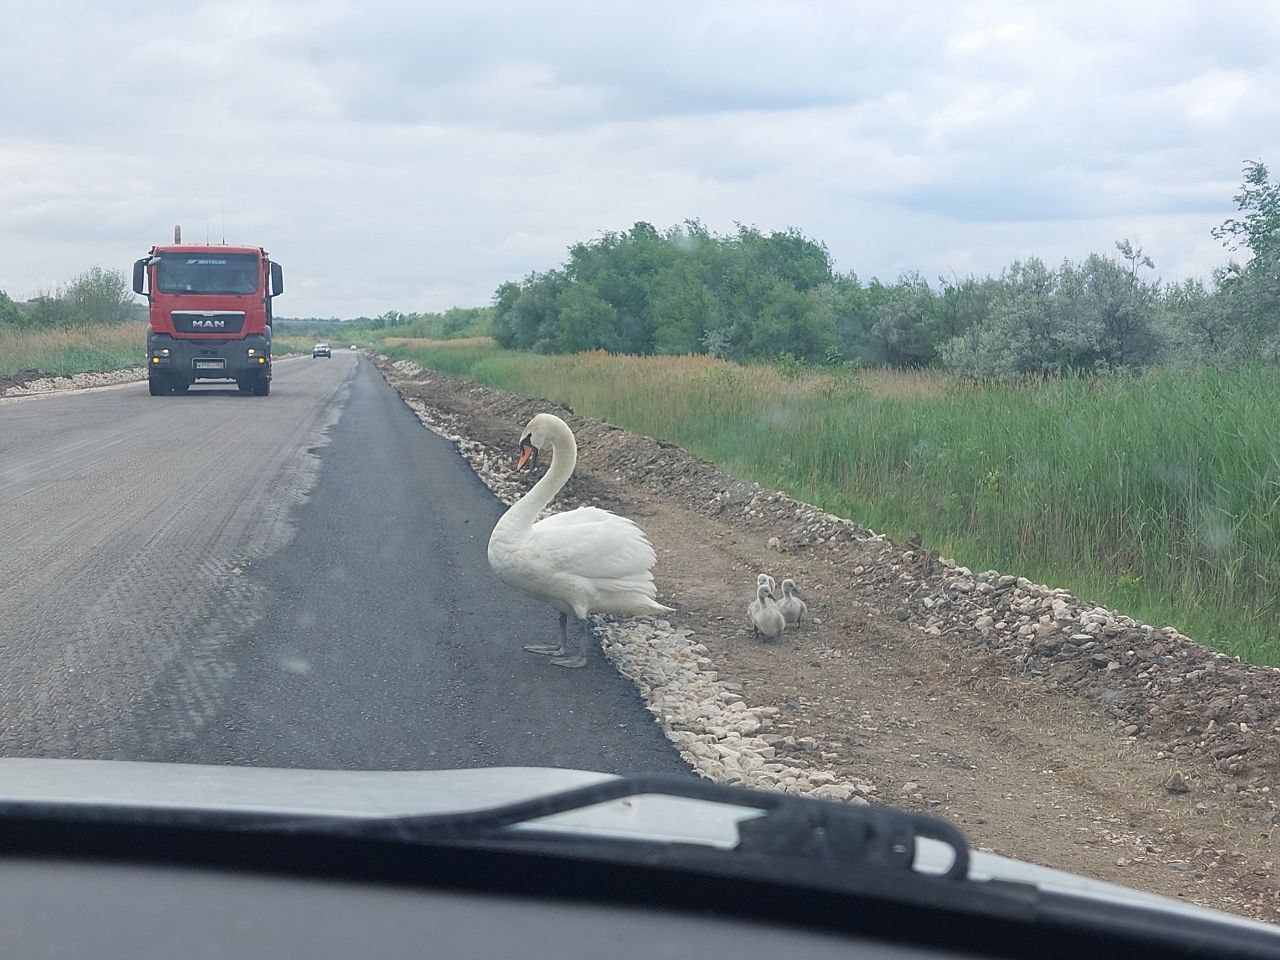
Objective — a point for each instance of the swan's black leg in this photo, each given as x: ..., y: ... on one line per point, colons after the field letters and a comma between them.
x: 579, y: 658
x: 546, y: 649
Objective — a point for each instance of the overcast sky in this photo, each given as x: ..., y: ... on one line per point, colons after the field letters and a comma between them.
x: 414, y: 155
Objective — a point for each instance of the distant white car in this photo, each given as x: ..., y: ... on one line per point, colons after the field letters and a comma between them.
x: 353, y: 347
x: 321, y: 350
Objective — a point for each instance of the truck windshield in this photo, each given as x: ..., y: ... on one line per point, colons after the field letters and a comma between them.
x: 208, y: 273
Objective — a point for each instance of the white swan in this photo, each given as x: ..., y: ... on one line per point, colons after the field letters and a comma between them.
x: 766, y: 618
x: 582, y: 561
x: 792, y: 607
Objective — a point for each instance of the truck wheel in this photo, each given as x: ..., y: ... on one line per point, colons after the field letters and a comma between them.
x: 180, y: 386
x: 155, y: 387
x: 244, y: 386
x: 262, y: 387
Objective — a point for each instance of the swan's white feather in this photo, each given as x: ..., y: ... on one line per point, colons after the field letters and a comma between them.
x: 599, y: 563
x: 581, y: 561
x: 596, y: 543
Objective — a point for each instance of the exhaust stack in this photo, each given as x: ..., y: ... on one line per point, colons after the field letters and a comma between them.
x: 177, y: 233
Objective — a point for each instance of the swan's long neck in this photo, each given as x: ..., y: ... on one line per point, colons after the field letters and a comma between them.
x: 564, y: 457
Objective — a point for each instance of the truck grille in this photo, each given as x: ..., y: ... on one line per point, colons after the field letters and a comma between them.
x: 208, y: 321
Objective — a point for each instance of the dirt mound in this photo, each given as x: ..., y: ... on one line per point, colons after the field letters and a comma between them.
x: 19, y: 378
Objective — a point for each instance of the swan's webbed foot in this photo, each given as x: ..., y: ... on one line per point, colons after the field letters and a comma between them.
x: 578, y: 658
x: 546, y: 649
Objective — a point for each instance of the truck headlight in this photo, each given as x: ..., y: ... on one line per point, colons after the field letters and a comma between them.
x: 164, y: 352
x: 252, y: 351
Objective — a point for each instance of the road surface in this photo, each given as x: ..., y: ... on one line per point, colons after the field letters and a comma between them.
x: 297, y: 581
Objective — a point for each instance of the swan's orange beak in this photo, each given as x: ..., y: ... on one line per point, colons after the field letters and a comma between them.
x: 527, y: 452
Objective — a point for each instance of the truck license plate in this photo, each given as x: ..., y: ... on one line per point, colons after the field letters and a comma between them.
x: 211, y: 364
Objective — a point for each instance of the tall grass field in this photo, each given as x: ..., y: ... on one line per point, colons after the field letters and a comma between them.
x: 1156, y: 495
x: 79, y: 349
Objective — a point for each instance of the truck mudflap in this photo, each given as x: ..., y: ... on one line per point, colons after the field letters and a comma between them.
x: 174, y: 364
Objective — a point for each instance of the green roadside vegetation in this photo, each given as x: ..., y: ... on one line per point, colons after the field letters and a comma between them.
x: 89, y: 324
x: 64, y: 351
x: 1157, y: 495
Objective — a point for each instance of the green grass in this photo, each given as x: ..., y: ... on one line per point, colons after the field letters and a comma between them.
x: 81, y: 349
x: 1158, y: 496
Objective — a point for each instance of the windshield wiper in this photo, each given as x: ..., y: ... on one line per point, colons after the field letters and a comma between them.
x: 845, y: 866
x: 788, y: 827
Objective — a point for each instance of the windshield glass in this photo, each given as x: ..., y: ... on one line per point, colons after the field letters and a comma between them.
x: 866, y: 402
x: 207, y: 273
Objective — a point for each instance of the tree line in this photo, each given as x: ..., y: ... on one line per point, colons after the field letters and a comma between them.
x: 451, y: 324
x: 751, y: 295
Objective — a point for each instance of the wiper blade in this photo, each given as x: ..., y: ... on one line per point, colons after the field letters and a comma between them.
x: 788, y: 826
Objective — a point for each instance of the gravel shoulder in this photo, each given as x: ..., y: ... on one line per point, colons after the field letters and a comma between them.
x: 29, y: 383
x: 1046, y: 728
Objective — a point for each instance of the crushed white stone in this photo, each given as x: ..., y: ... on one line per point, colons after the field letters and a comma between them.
x: 80, y: 381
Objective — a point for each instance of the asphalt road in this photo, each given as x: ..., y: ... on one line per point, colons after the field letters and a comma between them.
x: 295, y: 581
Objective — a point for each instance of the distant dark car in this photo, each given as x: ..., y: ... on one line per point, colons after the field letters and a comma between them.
x: 321, y: 350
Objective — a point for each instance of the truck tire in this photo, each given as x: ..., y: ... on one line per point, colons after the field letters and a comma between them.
x: 262, y: 387
x: 155, y: 387
x: 244, y: 386
x: 178, y: 385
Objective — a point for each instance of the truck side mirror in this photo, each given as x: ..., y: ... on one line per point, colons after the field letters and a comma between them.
x: 140, y: 275
x: 277, y: 280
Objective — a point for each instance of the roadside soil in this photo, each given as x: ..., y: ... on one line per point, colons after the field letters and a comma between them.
x: 946, y: 722
x: 19, y: 378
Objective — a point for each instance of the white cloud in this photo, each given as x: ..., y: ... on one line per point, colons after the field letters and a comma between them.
x: 400, y: 155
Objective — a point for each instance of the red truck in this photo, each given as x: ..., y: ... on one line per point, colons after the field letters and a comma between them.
x: 210, y: 314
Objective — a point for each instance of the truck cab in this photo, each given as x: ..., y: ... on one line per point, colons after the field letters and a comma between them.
x: 209, y: 315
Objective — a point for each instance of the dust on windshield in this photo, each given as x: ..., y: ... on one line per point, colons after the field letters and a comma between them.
x: 955, y: 327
